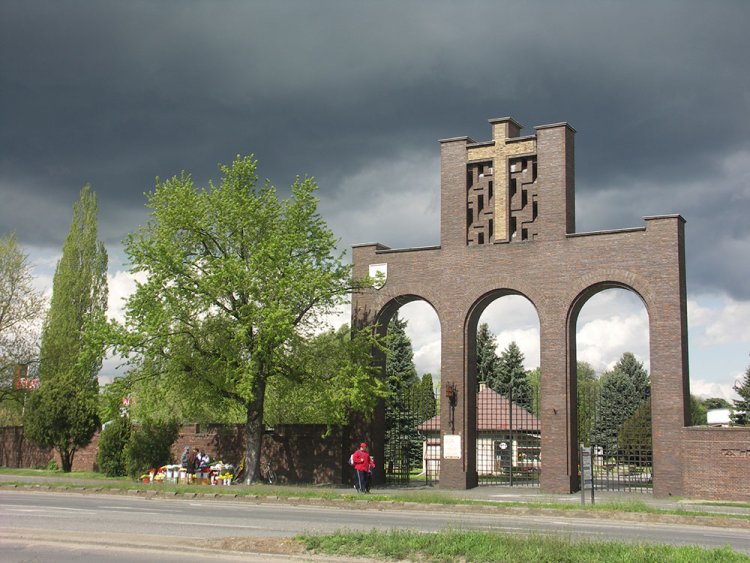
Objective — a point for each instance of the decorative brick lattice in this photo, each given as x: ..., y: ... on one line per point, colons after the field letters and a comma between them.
x: 523, y: 194
x: 480, y: 203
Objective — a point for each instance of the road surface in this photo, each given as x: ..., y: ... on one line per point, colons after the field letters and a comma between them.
x: 32, y: 522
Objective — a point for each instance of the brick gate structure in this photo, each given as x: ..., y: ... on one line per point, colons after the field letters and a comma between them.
x: 507, y: 226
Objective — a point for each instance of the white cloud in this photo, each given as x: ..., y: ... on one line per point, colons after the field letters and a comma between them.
x: 602, y: 342
x: 704, y: 389
x: 725, y: 322
x: 121, y: 286
x: 527, y: 341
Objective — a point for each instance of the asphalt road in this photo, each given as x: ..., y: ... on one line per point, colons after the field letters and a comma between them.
x: 32, y: 522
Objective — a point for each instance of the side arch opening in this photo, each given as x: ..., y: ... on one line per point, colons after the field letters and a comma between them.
x: 610, y: 364
x: 411, y: 367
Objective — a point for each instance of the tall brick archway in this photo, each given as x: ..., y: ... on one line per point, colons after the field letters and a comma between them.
x: 508, y: 225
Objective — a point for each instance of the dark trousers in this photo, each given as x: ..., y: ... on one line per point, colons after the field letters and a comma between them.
x: 362, y: 481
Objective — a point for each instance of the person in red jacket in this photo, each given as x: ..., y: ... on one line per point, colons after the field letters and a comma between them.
x: 362, y: 464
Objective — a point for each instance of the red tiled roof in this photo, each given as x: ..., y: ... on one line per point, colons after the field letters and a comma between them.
x: 492, y: 414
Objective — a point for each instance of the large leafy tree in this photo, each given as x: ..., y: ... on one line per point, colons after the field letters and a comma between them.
x: 21, y: 310
x: 63, y: 414
x: 698, y: 412
x: 235, y: 278
x: 511, y: 379
x: 324, y: 369
x: 741, y: 415
x: 716, y: 403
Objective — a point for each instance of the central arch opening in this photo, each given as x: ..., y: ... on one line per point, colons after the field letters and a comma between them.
x: 506, y: 351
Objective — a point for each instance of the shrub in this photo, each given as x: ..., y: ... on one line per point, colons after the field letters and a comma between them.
x: 51, y: 466
x: 112, y: 442
x: 150, y: 446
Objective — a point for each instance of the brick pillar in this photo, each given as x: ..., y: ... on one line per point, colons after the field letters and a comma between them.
x: 557, y: 404
x: 458, y: 473
x: 670, y: 379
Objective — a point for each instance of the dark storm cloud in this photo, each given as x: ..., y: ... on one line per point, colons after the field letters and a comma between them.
x: 117, y: 93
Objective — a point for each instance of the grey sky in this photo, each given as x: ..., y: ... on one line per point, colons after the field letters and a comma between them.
x: 357, y: 94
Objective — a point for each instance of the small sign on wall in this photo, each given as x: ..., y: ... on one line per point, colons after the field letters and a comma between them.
x: 452, y: 446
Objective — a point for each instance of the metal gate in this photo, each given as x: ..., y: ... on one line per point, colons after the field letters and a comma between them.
x: 410, y: 445
x: 508, y: 439
x: 619, y: 434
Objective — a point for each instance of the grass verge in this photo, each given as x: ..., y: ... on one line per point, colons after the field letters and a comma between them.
x: 78, y: 480
x: 487, y: 546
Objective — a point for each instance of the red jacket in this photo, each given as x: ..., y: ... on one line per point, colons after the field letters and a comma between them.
x: 362, y: 460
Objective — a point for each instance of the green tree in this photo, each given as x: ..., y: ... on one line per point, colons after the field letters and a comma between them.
x: 698, y: 412
x: 63, y: 413
x: 403, y: 445
x: 634, y: 436
x: 487, y: 360
x: 535, y: 380
x: 110, y: 455
x: 150, y: 446
x: 629, y: 365
x: 423, y: 398
x: 617, y: 403
x: 716, y: 403
x: 236, y: 278
x: 588, y: 389
x: 511, y: 379
x: 21, y: 310
x: 328, y: 378
x: 741, y: 414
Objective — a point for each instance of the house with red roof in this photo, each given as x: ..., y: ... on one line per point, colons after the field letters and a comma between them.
x: 508, y: 435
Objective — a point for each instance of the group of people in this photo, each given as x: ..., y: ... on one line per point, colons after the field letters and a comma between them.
x: 363, y: 464
x: 193, y: 461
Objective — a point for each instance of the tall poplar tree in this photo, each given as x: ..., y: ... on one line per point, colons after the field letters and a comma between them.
x: 63, y: 413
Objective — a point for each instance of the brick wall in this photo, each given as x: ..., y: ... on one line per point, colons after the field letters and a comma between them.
x: 16, y: 451
x: 716, y: 463
x: 298, y: 453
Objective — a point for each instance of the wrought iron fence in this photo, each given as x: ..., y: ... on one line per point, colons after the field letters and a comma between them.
x: 412, y: 438
x: 620, y: 440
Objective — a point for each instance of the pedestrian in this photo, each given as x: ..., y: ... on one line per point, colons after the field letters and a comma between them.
x: 184, y: 457
x: 203, y: 460
x: 191, y: 464
x: 362, y: 463
x: 184, y: 463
